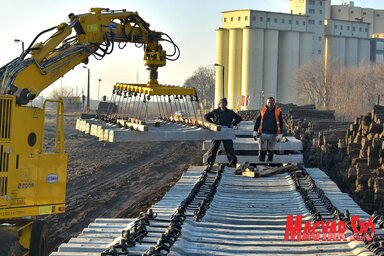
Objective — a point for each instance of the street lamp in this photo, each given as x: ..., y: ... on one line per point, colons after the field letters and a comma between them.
x: 219, y: 65
x: 22, y: 43
x: 98, y: 91
x: 88, y: 88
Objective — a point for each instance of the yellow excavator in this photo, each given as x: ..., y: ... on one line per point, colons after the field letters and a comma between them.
x: 32, y: 181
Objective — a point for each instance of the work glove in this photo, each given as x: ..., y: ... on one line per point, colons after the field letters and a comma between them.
x: 255, y: 135
x: 279, y: 137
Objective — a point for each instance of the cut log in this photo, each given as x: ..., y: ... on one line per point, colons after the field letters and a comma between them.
x: 373, y: 162
x: 379, y: 118
x: 378, y: 109
x: 371, y: 183
x: 359, y: 160
x: 353, y: 148
x: 362, y: 180
x: 367, y: 120
x: 378, y: 184
x: 363, y: 153
x: 352, y: 174
x: 365, y: 143
x: 356, y: 121
x: 375, y: 128
x: 377, y: 143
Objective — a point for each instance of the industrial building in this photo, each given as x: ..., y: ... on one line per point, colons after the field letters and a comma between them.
x: 377, y: 49
x: 258, y: 52
x: 261, y: 51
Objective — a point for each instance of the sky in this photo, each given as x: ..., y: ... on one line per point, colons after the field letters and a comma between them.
x: 191, y: 25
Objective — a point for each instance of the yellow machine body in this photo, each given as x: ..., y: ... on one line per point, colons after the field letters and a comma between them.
x: 33, y: 179
x: 32, y: 182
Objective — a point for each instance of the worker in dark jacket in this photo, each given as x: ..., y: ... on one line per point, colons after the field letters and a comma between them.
x: 269, y: 127
x: 224, y: 117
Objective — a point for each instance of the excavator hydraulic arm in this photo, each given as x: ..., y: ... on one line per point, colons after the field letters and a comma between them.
x: 33, y: 172
x: 42, y: 63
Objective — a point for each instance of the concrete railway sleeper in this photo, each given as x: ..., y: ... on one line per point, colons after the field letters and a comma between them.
x: 321, y: 208
x: 193, y: 206
x: 377, y: 244
x: 132, y: 235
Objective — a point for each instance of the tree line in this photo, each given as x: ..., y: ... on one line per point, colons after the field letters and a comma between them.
x: 349, y: 91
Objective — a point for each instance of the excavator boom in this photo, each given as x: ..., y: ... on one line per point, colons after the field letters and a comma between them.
x: 96, y: 33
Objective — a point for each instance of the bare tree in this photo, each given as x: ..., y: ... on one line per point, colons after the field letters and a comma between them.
x: 355, y: 90
x: 203, y: 79
x: 63, y: 91
x: 350, y: 91
x: 315, y: 82
x: 378, y: 73
x: 310, y: 81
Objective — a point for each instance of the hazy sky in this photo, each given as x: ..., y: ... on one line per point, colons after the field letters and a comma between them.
x: 191, y: 24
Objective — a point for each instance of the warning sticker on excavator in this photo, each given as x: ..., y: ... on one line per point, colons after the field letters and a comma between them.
x: 35, y: 115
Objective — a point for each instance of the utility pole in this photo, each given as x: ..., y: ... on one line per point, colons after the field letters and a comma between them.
x: 98, y: 91
x: 88, y: 89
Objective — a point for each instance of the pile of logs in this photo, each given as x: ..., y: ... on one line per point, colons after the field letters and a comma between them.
x: 354, y: 157
x: 311, y: 126
x: 365, y: 147
x: 249, y: 115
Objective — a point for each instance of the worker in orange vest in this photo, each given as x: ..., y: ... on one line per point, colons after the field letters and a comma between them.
x: 269, y: 128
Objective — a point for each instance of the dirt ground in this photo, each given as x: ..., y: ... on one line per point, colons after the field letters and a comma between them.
x: 114, y: 180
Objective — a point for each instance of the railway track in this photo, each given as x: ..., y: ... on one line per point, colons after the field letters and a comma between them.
x: 216, y: 212
x: 245, y: 216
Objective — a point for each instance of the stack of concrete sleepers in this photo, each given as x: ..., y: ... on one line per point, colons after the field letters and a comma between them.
x: 288, y: 150
x: 165, y: 132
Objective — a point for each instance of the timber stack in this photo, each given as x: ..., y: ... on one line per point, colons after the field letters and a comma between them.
x: 317, y: 129
x: 354, y: 157
x: 365, y: 148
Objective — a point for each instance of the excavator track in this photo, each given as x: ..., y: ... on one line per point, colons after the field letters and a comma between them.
x: 215, y: 212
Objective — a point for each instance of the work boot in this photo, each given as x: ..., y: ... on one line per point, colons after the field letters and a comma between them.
x: 270, y: 156
x: 208, y: 166
x: 262, y: 155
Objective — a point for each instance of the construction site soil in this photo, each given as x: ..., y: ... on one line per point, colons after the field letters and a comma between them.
x: 113, y: 180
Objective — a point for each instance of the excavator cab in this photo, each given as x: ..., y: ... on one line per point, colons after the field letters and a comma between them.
x: 32, y: 181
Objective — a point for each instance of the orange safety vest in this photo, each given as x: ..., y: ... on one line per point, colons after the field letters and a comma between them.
x: 277, y: 114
